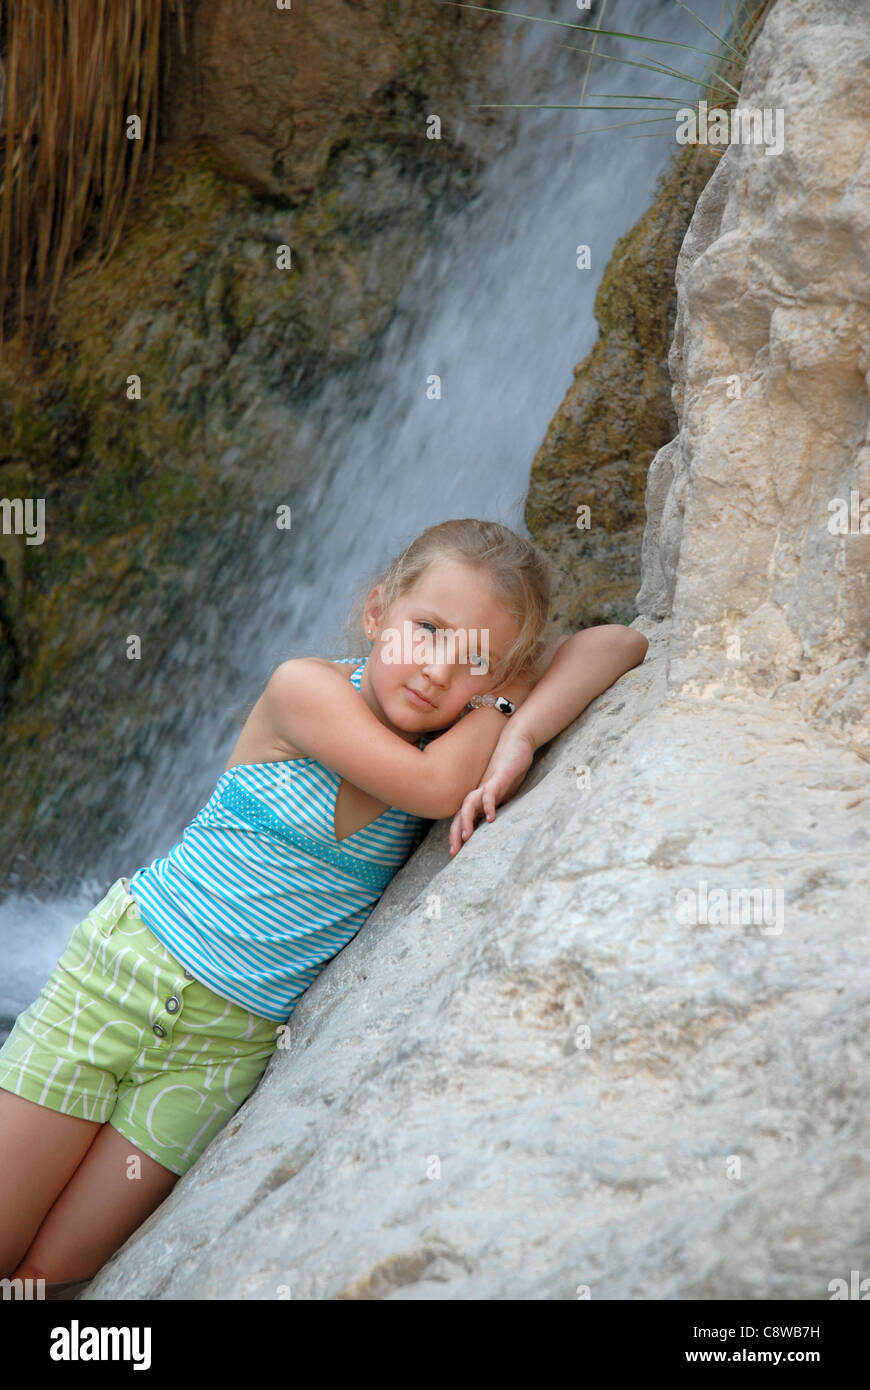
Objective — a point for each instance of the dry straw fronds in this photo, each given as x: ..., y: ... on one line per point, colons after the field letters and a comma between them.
x: 71, y: 73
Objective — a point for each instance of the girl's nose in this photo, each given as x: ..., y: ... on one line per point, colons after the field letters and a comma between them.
x: 437, y: 671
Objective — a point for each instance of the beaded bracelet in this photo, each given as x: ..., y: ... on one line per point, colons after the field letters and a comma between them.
x: 494, y: 701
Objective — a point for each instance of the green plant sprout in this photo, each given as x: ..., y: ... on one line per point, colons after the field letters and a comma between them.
x: 719, y: 83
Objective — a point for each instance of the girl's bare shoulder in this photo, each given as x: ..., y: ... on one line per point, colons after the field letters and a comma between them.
x: 258, y: 741
x: 315, y: 665
x: 337, y: 663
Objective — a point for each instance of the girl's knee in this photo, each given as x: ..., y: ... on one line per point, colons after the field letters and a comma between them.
x: 105, y: 1201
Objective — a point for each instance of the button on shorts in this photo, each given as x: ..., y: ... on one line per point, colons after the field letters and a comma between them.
x: 122, y: 1032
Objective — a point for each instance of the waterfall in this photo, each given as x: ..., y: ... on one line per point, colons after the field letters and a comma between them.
x: 498, y: 309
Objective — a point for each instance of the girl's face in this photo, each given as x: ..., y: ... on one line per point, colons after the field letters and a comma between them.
x: 422, y: 684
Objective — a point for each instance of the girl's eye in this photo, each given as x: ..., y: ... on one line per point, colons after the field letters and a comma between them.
x: 477, y: 661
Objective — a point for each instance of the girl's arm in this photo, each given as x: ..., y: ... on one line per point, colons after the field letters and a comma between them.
x: 312, y: 705
x: 585, y: 665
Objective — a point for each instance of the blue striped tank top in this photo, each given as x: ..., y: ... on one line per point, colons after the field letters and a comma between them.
x: 259, y: 894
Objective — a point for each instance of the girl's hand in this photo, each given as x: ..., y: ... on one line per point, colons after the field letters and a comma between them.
x: 510, y: 761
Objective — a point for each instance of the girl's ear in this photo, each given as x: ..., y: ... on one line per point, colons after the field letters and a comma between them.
x: 372, y: 610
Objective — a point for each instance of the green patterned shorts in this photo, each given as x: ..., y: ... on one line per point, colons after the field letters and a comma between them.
x: 122, y: 1032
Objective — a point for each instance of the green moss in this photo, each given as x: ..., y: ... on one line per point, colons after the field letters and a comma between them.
x: 173, y: 217
x: 616, y: 415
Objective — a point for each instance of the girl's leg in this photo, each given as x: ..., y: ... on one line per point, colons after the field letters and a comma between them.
x: 105, y: 1201
x: 40, y: 1149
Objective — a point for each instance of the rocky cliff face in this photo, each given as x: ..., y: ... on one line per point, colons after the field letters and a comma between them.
x: 616, y: 1048
x: 771, y: 364
x: 280, y: 95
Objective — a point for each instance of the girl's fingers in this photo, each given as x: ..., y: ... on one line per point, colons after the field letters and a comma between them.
x: 456, y: 832
x: 453, y: 836
x: 463, y: 822
x: 482, y: 800
x: 470, y: 808
x: 467, y: 815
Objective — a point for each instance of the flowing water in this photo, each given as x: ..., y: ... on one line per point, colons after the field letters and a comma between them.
x: 498, y: 309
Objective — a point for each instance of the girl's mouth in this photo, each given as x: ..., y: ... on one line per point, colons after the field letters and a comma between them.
x: 419, y: 700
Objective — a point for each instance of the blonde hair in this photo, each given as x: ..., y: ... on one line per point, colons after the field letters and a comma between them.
x: 517, y: 572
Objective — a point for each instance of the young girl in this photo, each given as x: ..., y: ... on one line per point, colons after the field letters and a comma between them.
x: 170, y: 997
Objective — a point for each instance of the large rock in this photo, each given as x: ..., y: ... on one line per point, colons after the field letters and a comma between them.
x: 439, y: 1128
x: 533, y: 1074
x: 278, y: 92
x: 774, y: 302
